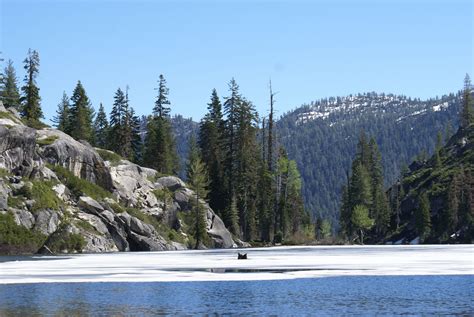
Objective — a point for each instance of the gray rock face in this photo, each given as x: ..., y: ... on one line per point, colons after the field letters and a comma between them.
x: 89, y: 204
x: 46, y: 221
x: 23, y: 217
x: 97, y: 243
x: 17, y: 149
x: 171, y: 182
x: 142, y: 243
x: 131, y: 183
x: 95, y: 221
x: 79, y: 158
x: 216, y: 229
x: 4, y: 191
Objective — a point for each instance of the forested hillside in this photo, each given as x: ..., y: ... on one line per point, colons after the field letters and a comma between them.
x: 322, y: 138
x: 435, y: 198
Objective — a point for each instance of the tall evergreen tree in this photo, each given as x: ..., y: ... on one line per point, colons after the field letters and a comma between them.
x: 270, y: 131
x: 467, y: 112
x: 423, y: 217
x: 211, y: 143
x: 137, y: 144
x: 379, y: 209
x: 61, y: 120
x: 9, y: 88
x: 31, y: 106
x: 451, y: 212
x: 121, y: 126
x: 159, y: 145
x: 231, y: 105
x: 246, y: 164
x: 101, y: 128
x: 197, y: 177
x: 81, y: 115
x: 161, y: 108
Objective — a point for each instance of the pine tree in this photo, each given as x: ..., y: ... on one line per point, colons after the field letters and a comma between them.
x: 126, y: 148
x: 31, y: 107
x: 117, y: 122
x: 137, y: 144
x: 211, y: 143
x: 61, y: 120
x: 325, y: 229
x: 451, y: 215
x: 101, y: 128
x: 361, y: 221
x: 9, y: 91
x: 161, y: 108
x: 194, y: 154
x: 270, y: 131
x: 197, y: 177
x: 233, y: 217
x: 81, y: 115
x: 345, y: 213
x: 423, y: 217
x: 379, y: 210
x: 439, y: 144
x: 467, y: 113
x: 246, y: 166
x: 360, y: 191
x: 159, y: 150
x: 123, y: 127
x: 159, y: 145
x: 231, y: 106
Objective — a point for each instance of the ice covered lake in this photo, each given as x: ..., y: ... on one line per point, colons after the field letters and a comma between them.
x: 339, y: 280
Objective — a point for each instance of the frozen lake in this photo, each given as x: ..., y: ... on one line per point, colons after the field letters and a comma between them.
x: 288, y: 281
x: 222, y: 265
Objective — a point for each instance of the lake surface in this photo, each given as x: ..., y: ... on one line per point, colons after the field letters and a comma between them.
x: 380, y: 280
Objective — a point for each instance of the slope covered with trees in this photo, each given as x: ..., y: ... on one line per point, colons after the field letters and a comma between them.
x: 322, y: 137
x: 432, y: 202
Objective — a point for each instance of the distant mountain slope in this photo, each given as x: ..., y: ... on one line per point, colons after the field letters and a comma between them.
x: 322, y: 138
x: 183, y: 129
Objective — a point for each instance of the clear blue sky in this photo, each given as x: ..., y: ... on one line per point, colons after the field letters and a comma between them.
x: 310, y: 49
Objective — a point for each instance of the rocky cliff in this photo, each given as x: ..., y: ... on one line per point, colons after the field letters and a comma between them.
x: 60, y: 195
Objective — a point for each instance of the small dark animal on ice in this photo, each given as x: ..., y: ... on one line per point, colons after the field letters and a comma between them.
x: 242, y: 256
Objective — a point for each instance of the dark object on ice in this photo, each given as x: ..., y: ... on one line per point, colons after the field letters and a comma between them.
x: 242, y: 256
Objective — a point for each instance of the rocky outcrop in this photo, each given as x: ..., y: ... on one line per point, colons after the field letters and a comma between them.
x: 79, y: 158
x: 141, y: 214
x: 133, y: 184
x: 46, y: 221
x: 17, y: 149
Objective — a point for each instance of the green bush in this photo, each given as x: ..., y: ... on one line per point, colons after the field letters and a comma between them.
x: 15, y: 201
x: 110, y: 156
x: 16, y: 239
x: 43, y: 195
x: 87, y: 227
x: 8, y: 115
x: 78, y: 186
x: 117, y: 208
x: 47, y: 141
x: 4, y: 173
x: 163, y: 194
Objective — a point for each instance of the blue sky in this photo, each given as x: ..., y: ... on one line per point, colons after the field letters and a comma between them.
x: 309, y: 49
